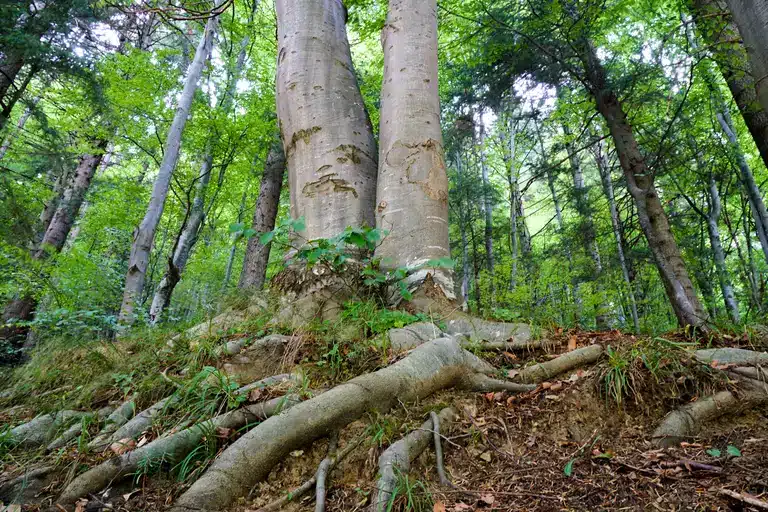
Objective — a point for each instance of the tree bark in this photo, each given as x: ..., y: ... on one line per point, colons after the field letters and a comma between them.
x: 605, y: 176
x: 412, y: 194
x: 145, y: 233
x: 257, y: 254
x: 755, y: 197
x: 652, y: 218
x: 325, y: 129
x: 724, y: 41
x: 488, y: 214
x: 713, y: 216
x: 751, y: 18
x: 8, y: 73
x: 233, y: 247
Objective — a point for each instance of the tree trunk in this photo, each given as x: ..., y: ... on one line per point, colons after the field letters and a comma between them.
x: 326, y: 132
x: 587, y: 228
x: 724, y: 41
x: 652, y: 218
x: 724, y: 277
x: 19, y: 127
x: 412, y: 195
x: 12, y: 99
x: 8, y: 73
x: 256, y: 254
x: 751, y: 17
x: 605, y: 176
x: 488, y: 214
x: 755, y: 197
x: 145, y: 234
x: 233, y: 248
x: 23, y: 307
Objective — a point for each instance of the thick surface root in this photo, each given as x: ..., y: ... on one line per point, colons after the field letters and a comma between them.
x: 489, y: 335
x: 566, y: 362
x: 114, y: 421
x: 732, y: 356
x: 41, y: 429
x: 398, y: 457
x: 436, y: 365
x: 76, y: 429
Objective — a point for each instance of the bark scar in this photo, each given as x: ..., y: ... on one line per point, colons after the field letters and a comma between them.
x: 327, y: 184
x: 424, y: 166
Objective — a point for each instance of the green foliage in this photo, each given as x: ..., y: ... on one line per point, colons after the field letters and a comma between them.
x: 409, y: 494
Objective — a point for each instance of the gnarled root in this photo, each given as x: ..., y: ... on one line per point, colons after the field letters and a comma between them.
x: 114, y: 421
x: 729, y: 355
x: 42, y: 428
x: 322, y: 473
x: 568, y: 361
x: 171, y: 448
x: 76, y: 429
x: 398, y: 458
x: 135, y: 426
x: 433, y: 366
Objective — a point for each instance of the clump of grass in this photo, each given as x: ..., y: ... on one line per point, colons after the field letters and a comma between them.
x: 409, y: 495
x: 655, y: 366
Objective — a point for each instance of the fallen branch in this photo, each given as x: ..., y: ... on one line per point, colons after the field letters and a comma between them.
x: 309, y: 484
x: 398, y: 457
x: 433, y: 366
x: 322, y: 473
x: 171, y: 448
x: 568, y: 361
x: 744, y: 498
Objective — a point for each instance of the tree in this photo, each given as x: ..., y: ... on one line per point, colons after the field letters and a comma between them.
x: 751, y: 17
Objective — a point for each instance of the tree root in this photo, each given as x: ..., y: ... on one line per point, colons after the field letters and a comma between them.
x: 732, y: 356
x: 117, y: 419
x: 745, y: 499
x: 493, y: 336
x: 568, y: 361
x: 170, y: 449
x: 309, y: 484
x: 444, y: 480
x: 24, y: 487
x: 42, y: 428
x: 433, y: 366
x: 135, y: 426
x: 398, y: 457
x: 322, y: 473
x: 484, y: 384
x: 76, y: 429
x: 477, y: 329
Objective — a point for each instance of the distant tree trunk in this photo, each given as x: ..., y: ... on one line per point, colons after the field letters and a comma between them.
x: 751, y: 17
x: 653, y: 220
x: 257, y: 254
x: 60, y: 186
x: 461, y: 206
x: 324, y: 126
x: 23, y: 307
x: 12, y: 99
x: 412, y: 195
x: 145, y: 234
x: 488, y: 214
x: 724, y: 41
x: 9, y: 70
x: 601, y: 159
x: 713, y: 217
x: 587, y: 228
x: 19, y: 127
x: 750, y: 271
x: 755, y: 197
x: 233, y: 247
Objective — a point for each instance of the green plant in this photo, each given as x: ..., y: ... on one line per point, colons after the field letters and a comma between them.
x: 409, y: 495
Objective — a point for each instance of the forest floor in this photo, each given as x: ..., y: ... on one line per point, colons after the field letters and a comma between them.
x: 573, y: 443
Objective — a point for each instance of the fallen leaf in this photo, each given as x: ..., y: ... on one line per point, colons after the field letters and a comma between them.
x: 223, y: 433
x: 546, y: 385
x: 255, y: 395
x: 572, y: 343
x: 488, y: 499
x: 489, y: 396
x: 552, y: 397
x: 461, y: 506
x: 557, y: 386
x: 80, y: 505
x: 144, y: 440
x: 486, y: 456
x: 122, y: 446
x: 439, y: 506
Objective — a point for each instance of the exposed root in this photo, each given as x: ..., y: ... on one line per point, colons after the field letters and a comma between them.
x: 76, y: 429
x: 171, y: 448
x: 398, y: 457
x: 488, y: 335
x: 135, y: 426
x: 322, y: 473
x: 477, y: 329
x: 484, y: 384
x: 752, y: 372
x: 117, y: 419
x: 309, y: 484
x: 568, y: 361
x: 42, y: 428
x: 436, y: 365
x: 23, y: 487
x: 732, y: 356
x: 745, y: 499
x: 266, y: 382
x: 444, y: 480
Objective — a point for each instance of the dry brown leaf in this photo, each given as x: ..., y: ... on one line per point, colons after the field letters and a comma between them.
x: 488, y: 499
x: 255, y: 395
x: 80, y: 505
x: 461, y: 506
x: 572, y: 343
x: 557, y: 386
x: 223, y: 433
x: 123, y: 446
x: 439, y: 506
x: 486, y: 456
x: 546, y: 385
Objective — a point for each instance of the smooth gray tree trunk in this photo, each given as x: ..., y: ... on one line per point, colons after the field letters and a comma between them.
x: 487, y: 213
x: 233, y: 247
x: 412, y: 195
x: 145, y: 234
x: 257, y: 254
x: 325, y: 129
x: 751, y: 17
x: 601, y: 159
x: 713, y: 217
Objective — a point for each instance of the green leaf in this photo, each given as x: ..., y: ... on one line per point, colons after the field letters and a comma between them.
x: 299, y: 224
x: 267, y: 237
x: 714, y: 452
x: 357, y: 239
x: 248, y: 233
x: 568, y: 469
x: 733, y: 451
x: 236, y: 228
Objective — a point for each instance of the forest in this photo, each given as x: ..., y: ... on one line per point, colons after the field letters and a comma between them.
x: 385, y: 255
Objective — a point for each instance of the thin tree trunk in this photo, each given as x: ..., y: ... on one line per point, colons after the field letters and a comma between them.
x: 652, y: 218
x: 751, y: 272
x: 462, y: 221
x: 412, y: 194
x: 8, y: 73
x: 601, y: 158
x: 257, y: 254
x: 12, y: 99
x: 145, y: 233
x: 488, y: 214
x: 23, y: 307
x: 715, y: 208
x: 751, y: 17
x: 233, y: 248
x: 724, y: 41
x: 19, y: 127
x: 326, y: 132
x: 755, y: 197
x: 59, y: 187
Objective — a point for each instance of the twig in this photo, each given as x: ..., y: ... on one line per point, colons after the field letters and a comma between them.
x: 444, y: 480
x: 309, y: 484
x: 744, y: 498
x: 322, y: 472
